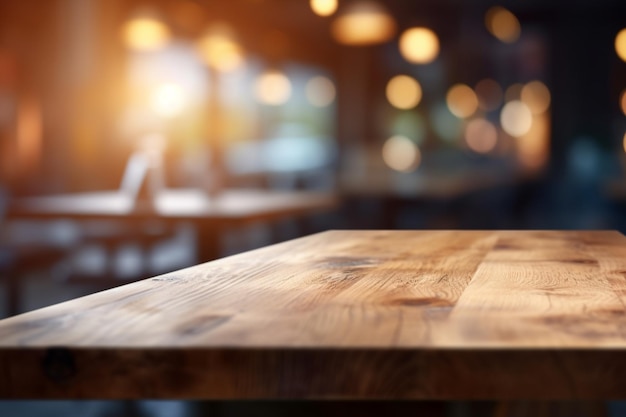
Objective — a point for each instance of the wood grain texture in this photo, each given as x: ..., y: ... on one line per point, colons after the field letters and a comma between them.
x: 346, y: 314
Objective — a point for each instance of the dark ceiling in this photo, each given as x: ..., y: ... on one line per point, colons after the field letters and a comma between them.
x: 265, y: 23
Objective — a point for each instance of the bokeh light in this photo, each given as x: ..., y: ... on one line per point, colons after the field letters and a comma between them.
x: 462, y: 100
x: 489, y: 94
x: 624, y: 142
x: 502, y: 24
x: 419, y: 45
x: 29, y: 132
x: 404, y: 92
x: 323, y: 7
x: 272, y: 88
x: 536, y: 96
x: 168, y: 100
x: 514, y: 92
x: 218, y: 48
x: 401, y: 154
x: 320, y: 91
x: 363, y: 23
x: 620, y: 44
x: 481, y: 135
x: 145, y: 33
x: 516, y: 118
x: 533, y: 148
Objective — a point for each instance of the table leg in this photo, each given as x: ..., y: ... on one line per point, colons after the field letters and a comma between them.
x: 208, y: 244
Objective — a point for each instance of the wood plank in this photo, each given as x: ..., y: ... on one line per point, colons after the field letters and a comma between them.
x: 346, y: 314
x: 539, y: 289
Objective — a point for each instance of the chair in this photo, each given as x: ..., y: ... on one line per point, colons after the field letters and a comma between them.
x: 18, y: 258
x: 137, y: 183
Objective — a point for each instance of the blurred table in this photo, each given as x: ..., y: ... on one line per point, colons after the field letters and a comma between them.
x: 346, y: 314
x: 209, y: 214
x: 395, y: 191
x: 434, y: 186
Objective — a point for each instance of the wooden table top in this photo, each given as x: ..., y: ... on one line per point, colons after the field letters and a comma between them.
x: 177, y: 204
x: 346, y: 314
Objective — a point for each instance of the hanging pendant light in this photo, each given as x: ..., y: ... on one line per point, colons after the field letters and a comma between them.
x: 272, y: 88
x: 323, y: 7
x: 364, y: 23
x: 145, y: 31
x: 419, y: 45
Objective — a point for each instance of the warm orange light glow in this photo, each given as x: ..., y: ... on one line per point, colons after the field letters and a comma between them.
x: 168, y: 100
x: 536, y: 96
x: 218, y: 48
x: 272, y: 88
x: 502, y: 24
x: 323, y: 7
x: 481, y: 135
x: 152, y: 144
x: 462, y: 100
x: 620, y: 44
x: 145, y: 33
x: 419, y: 45
x: 363, y: 23
x: 489, y: 94
x: 320, y: 91
x: 624, y: 142
x: 29, y: 133
x: 516, y: 118
x: 533, y: 148
x: 401, y: 154
x: 404, y: 92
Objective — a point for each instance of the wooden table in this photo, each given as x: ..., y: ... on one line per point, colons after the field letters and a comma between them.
x: 425, y: 186
x: 209, y: 215
x: 346, y: 314
x: 395, y: 191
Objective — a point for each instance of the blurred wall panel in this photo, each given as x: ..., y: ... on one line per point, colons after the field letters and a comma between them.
x: 27, y: 39
x: 91, y: 66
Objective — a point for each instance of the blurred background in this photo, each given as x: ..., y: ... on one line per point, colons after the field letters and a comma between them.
x: 430, y: 114
x: 408, y: 114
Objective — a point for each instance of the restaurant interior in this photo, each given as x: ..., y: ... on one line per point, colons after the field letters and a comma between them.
x: 139, y: 137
